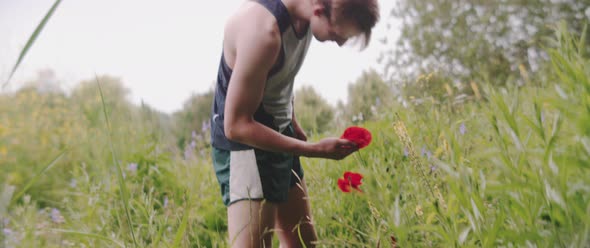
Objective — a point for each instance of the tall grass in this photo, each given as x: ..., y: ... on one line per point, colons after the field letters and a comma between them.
x: 121, y: 181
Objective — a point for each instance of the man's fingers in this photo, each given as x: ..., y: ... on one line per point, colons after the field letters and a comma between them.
x: 347, y: 144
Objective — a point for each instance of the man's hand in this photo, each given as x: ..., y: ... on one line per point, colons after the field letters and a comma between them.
x: 334, y: 148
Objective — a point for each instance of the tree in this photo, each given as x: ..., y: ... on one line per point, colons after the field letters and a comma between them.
x: 87, y: 95
x: 313, y: 112
x: 193, y: 119
x: 464, y: 39
x: 369, y: 93
x: 46, y: 82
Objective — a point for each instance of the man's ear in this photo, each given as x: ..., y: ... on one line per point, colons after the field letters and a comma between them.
x: 318, y: 10
x: 321, y: 10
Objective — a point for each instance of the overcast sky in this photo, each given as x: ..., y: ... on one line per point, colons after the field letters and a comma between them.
x: 162, y: 50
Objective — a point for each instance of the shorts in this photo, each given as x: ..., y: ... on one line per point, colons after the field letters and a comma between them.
x: 255, y: 174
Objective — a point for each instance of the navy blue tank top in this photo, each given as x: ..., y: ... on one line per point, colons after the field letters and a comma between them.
x: 276, y: 109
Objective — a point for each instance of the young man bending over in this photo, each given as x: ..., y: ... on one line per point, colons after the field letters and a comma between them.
x: 255, y: 137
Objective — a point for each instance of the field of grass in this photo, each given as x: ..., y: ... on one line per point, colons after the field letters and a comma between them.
x: 509, y: 168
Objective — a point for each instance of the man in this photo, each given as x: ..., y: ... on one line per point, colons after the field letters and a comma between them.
x: 255, y: 137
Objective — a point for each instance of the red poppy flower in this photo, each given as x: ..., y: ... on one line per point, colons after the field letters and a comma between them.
x: 358, y: 135
x: 344, y: 185
x: 350, y: 180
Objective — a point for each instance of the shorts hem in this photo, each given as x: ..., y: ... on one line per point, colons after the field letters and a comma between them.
x: 243, y: 199
x: 254, y: 199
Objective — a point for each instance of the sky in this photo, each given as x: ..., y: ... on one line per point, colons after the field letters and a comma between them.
x: 163, y: 51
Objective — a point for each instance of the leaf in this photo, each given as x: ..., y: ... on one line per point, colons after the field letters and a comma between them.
x: 507, y: 113
x: 476, y: 210
x: 36, y: 177
x: 515, y: 139
x: 31, y: 40
x: 586, y: 144
x: 490, y: 238
x: 121, y: 181
x: 538, y: 130
x: 560, y: 92
x: 483, y: 183
x: 463, y: 235
x: 182, y: 228
x: 554, y: 195
x: 552, y: 165
x: 447, y: 168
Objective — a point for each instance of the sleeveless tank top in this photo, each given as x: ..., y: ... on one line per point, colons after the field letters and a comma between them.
x: 276, y: 109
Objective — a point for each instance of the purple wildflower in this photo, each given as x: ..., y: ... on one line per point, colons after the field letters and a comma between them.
x: 194, y: 134
x: 132, y: 167
x: 462, y: 128
x: 73, y: 183
x: 165, y: 201
x: 205, y: 126
x: 56, y: 216
x: 187, y: 153
x: 432, y: 168
x: 11, y: 238
x: 426, y: 152
x: 193, y: 144
x: 406, y: 152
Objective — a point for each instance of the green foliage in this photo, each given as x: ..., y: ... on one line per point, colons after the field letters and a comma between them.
x: 90, y: 102
x: 478, y: 39
x: 313, y: 113
x: 193, y: 120
x: 431, y: 87
x: 367, y: 96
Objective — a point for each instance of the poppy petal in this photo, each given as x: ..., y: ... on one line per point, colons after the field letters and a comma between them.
x: 353, y: 178
x: 343, y: 185
x: 360, y: 136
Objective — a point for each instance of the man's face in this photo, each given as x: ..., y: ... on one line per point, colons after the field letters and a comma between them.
x: 337, y: 29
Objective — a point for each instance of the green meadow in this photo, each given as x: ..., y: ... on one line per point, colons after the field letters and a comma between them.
x: 504, y: 167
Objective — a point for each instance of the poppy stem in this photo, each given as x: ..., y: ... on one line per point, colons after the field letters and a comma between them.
x: 361, y: 158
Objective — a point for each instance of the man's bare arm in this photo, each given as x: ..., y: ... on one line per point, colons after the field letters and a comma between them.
x: 257, y: 48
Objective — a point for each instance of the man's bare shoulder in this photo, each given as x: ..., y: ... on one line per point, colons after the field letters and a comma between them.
x: 252, y: 22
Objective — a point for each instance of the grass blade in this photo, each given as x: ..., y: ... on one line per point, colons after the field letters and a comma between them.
x: 90, y: 235
x: 31, y: 40
x: 35, y: 178
x: 182, y: 228
x: 122, y: 188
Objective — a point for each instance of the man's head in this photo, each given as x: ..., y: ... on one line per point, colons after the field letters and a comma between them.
x: 340, y: 20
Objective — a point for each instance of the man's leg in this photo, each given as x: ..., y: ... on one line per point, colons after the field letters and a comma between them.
x: 294, y: 217
x: 250, y: 223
